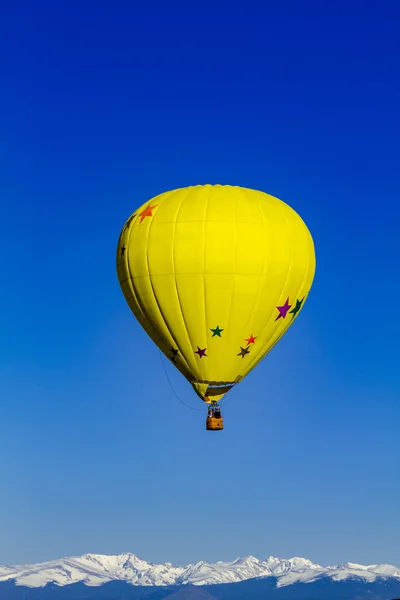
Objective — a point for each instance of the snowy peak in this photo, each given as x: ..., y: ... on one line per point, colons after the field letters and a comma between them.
x: 240, y: 569
x: 93, y: 570
x: 97, y: 569
x: 279, y: 566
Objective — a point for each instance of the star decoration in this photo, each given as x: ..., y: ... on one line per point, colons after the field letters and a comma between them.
x: 243, y: 352
x: 283, y: 310
x: 129, y: 221
x: 217, y: 331
x: 296, y: 309
x: 147, y: 212
x: 175, y: 352
x: 250, y: 340
x: 201, y: 352
x: 123, y: 250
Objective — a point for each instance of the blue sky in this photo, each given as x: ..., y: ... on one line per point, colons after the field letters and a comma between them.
x: 102, y: 108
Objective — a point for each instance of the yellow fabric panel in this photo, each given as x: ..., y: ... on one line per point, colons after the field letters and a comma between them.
x: 215, y: 275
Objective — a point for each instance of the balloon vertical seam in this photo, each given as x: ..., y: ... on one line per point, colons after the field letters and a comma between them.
x: 193, y: 368
x: 136, y: 297
x: 262, y: 278
x: 166, y: 324
x: 256, y: 356
x: 234, y: 270
x: 208, y: 377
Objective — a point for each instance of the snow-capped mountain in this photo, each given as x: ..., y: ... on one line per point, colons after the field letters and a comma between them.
x: 97, y: 569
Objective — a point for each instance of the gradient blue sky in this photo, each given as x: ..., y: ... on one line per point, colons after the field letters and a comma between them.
x: 103, y: 106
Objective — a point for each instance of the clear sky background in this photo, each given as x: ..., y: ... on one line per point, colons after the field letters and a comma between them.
x: 103, y: 106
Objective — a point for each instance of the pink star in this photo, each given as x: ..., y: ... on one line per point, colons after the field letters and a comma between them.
x: 283, y: 310
x: 201, y: 352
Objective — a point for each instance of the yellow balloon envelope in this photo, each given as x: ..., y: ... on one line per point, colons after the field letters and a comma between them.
x: 215, y: 275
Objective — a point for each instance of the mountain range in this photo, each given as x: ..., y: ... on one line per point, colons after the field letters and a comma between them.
x: 128, y: 576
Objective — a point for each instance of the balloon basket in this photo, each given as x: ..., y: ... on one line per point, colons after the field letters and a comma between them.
x: 214, y: 421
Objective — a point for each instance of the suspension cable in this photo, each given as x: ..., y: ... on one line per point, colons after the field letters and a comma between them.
x: 172, y: 388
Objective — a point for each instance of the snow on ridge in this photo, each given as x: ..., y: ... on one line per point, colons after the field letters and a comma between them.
x: 97, y: 569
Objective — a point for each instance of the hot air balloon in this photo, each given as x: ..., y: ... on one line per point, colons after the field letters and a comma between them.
x: 215, y: 275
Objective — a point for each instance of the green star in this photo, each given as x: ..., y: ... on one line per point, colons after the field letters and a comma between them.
x: 217, y: 331
x: 243, y: 351
x: 296, y: 309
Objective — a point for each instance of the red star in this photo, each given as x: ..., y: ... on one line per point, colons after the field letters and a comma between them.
x: 147, y: 212
x: 201, y: 352
x: 250, y: 340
